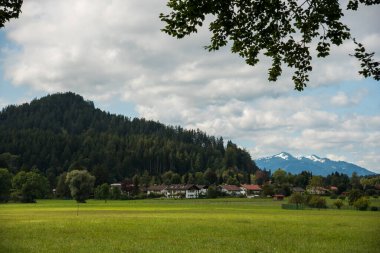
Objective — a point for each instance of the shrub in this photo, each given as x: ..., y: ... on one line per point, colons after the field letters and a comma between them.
x: 374, y: 208
x: 333, y: 196
x: 354, y: 195
x: 362, y: 203
x: 297, y: 198
x: 342, y: 197
x: 338, y: 203
x: 317, y: 202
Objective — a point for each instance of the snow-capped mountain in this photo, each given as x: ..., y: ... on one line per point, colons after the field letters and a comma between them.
x: 313, y: 163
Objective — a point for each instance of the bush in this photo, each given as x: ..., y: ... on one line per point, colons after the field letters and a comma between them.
x: 333, y: 196
x: 317, y: 202
x: 342, y: 197
x: 374, y: 208
x: 354, y: 195
x: 338, y: 203
x: 297, y: 198
x: 362, y: 203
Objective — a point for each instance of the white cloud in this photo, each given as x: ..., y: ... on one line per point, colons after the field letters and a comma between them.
x: 114, y: 50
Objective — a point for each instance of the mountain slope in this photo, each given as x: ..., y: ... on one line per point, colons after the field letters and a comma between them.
x: 61, y: 131
x: 313, y: 163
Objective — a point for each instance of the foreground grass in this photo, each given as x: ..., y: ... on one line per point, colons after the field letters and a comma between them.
x: 222, y: 225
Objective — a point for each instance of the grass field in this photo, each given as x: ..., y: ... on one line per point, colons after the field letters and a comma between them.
x: 221, y: 225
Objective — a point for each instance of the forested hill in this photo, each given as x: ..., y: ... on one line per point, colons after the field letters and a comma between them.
x: 62, y: 131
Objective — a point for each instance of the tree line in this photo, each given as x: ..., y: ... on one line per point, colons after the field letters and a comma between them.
x: 63, y: 131
x: 79, y: 184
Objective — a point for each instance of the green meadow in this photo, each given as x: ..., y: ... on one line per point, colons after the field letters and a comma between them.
x: 220, y: 225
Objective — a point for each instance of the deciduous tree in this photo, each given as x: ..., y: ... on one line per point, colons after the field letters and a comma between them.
x: 28, y: 186
x: 283, y: 30
x: 9, y: 9
x: 81, y: 184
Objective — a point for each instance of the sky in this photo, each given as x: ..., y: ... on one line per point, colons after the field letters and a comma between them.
x: 113, y: 53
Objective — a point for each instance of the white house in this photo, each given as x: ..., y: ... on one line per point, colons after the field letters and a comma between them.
x: 189, y: 191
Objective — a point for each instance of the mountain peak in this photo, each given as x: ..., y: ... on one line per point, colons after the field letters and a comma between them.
x: 312, y: 163
x: 283, y: 155
x: 316, y: 158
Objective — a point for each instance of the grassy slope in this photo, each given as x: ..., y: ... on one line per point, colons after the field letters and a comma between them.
x: 236, y: 225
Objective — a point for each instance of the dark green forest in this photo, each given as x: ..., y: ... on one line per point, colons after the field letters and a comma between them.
x: 61, y: 132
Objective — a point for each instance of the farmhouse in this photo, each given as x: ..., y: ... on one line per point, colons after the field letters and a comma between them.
x: 299, y: 190
x: 116, y: 185
x: 251, y: 189
x: 202, y: 190
x: 157, y: 190
x: 231, y: 190
x: 317, y: 190
x: 189, y: 191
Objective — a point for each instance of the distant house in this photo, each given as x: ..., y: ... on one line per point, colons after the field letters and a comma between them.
x: 278, y: 197
x: 231, y: 190
x: 116, y: 185
x: 333, y: 188
x: 299, y: 190
x: 251, y: 189
x: 189, y: 191
x: 202, y: 190
x: 157, y: 190
x: 317, y: 190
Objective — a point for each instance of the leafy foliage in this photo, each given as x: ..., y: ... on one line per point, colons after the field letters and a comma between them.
x: 338, y: 203
x: 281, y: 30
x: 9, y: 9
x: 317, y: 202
x: 297, y: 198
x: 81, y: 184
x: 28, y: 186
x: 354, y: 195
x: 62, y: 189
x: 5, y: 184
x: 362, y: 203
x: 102, y: 192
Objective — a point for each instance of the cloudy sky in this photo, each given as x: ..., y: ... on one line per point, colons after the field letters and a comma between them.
x: 112, y: 52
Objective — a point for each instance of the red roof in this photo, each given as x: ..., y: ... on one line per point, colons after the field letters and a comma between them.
x: 252, y: 187
x: 333, y: 188
x: 231, y: 187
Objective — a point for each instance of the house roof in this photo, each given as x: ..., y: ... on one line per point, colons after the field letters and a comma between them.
x: 251, y: 187
x: 157, y: 187
x: 231, y: 187
x: 182, y: 187
x: 298, y: 189
x: 333, y: 188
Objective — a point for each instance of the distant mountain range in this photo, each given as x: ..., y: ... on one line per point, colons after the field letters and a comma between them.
x: 313, y: 163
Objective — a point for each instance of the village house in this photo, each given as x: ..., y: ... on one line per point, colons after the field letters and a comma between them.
x: 189, y: 191
x: 251, y: 190
x: 298, y: 190
x: 157, y: 190
x: 317, y: 190
x: 116, y: 185
x: 231, y: 190
x: 202, y: 190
